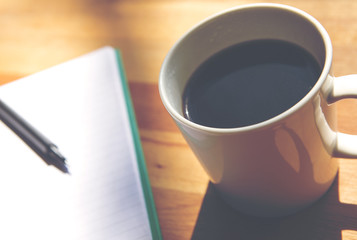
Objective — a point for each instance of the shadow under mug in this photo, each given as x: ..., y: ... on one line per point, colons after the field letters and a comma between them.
x: 285, y: 163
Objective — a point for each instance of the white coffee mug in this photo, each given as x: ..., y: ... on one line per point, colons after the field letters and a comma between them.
x: 285, y: 163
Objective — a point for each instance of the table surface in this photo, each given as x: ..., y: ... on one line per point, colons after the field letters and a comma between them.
x: 38, y: 34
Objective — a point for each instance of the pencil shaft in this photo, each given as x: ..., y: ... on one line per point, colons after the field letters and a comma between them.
x: 33, y: 138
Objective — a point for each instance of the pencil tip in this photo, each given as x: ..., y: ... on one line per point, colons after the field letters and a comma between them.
x: 57, y: 159
x: 66, y: 170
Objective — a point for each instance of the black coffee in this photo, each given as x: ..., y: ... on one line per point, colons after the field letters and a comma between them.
x: 249, y: 83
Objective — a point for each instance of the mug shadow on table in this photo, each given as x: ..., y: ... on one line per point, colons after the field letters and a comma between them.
x: 326, y: 219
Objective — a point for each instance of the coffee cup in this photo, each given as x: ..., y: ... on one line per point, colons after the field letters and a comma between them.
x: 285, y: 161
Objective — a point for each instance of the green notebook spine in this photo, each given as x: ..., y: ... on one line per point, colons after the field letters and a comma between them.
x: 145, y: 182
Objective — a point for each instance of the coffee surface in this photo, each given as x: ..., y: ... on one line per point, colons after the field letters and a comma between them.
x: 249, y: 83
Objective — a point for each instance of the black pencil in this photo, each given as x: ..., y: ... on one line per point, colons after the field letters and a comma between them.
x: 33, y: 138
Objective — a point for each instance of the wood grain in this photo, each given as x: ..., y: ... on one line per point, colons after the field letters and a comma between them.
x: 38, y: 34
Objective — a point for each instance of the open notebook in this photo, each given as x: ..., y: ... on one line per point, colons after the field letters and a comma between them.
x: 84, y: 107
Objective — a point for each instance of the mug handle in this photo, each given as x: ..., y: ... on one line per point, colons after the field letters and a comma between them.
x: 344, y: 87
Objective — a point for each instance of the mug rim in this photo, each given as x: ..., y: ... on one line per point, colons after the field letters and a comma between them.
x: 266, y: 123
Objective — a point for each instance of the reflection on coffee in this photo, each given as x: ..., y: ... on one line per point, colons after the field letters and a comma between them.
x: 249, y: 83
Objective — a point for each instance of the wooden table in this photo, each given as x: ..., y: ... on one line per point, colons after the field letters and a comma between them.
x: 39, y: 34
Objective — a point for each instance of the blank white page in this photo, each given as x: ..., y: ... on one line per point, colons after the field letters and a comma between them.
x: 80, y: 106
